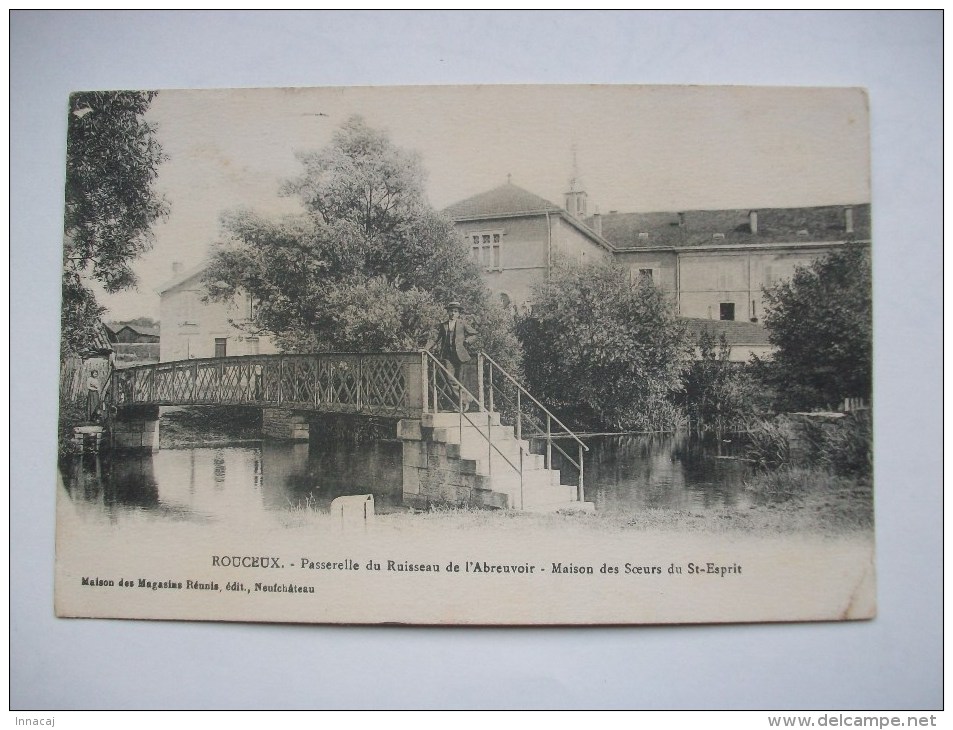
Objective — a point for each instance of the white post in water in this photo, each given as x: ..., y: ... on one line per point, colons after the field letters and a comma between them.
x: 357, y: 509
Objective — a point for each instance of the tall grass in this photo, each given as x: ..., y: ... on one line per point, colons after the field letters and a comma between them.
x: 769, y: 445
x: 843, y: 447
x: 821, y: 467
x: 848, y: 449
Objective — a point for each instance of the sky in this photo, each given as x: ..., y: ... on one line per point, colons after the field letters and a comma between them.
x: 637, y: 149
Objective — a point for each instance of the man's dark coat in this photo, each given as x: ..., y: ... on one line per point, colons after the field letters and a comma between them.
x: 455, y: 348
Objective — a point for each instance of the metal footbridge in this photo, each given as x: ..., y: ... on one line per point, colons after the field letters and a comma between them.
x: 412, y: 385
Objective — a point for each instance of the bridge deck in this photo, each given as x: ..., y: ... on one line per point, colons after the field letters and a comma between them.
x: 392, y: 383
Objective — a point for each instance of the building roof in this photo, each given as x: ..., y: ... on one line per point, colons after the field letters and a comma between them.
x: 736, y: 332
x: 140, y: 330
x: 100, y: 345
x: 510, y: 201
x: 506, y: 200
x: 698, y: 227
x: 182, y: 277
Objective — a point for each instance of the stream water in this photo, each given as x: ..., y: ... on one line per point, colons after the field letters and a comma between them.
x: 624, y: 473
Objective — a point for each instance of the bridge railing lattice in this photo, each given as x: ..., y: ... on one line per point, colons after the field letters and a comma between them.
x: 369, y: 383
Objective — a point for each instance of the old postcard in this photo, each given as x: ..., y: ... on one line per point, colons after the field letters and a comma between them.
x: 467, y: 355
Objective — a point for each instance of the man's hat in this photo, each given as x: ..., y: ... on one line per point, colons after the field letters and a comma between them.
x: 453, y: 305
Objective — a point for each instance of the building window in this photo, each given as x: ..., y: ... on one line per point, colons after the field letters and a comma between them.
x: 252, y: 345
x: 189, y: 307
x: 637, y: 276
x: 252, y: 307
x: 220, y: 346
x: 727, y: 310
x: 485, y: 248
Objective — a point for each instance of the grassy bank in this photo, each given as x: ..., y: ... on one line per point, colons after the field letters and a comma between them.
x: 811, y: 504
x: 813, y: 496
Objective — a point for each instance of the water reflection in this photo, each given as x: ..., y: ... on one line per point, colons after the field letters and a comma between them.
x: 235, y: 483
x: 313, y: 475
x: 239, y: 483
x: 661, y: 471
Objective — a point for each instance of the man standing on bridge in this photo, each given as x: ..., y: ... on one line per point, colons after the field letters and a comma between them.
x: 451, y: 340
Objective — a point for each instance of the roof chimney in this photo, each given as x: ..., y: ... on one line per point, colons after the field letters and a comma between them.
x: 849, y: 219
x: 597, y: 221
x: 753, y: 220
x: 176, y: 268
x: 681, y: 220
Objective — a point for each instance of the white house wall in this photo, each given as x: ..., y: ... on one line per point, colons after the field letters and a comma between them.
x: 190, y: 326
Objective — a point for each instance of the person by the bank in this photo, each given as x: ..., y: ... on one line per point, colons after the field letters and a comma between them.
x: 451, y: 340
x: 92, y: 396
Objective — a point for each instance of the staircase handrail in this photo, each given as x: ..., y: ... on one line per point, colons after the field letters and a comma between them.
x: 532, y: 398
x: 463, y: 414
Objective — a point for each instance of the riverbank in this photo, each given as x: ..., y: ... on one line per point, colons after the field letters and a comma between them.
x: 844, y: 508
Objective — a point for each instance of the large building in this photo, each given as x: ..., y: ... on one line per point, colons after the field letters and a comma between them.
x: 516, y: 235
x: 712, y: 263
x: 715, y: 262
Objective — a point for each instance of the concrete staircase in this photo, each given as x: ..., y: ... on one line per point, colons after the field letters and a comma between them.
x: 445, y: 461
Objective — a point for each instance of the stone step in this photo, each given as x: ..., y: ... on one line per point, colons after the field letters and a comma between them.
x: 534, y: 494
x: 452, y: 434
x: 543, y: 479
x: 484, y: 461
x: 499, y: 456
x: 452, y: 420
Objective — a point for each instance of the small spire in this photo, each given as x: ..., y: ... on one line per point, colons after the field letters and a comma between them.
x: 509, y: 178
x: 574, y: 178
x: 576, y: 195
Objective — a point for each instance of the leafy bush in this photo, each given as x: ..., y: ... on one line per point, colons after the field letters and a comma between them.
x: 820, y: 322
x: 72, y: 413
x: 605, y: 352
x: 720, y: 395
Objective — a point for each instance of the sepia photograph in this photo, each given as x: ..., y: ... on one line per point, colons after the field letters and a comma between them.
x: 467, y: 355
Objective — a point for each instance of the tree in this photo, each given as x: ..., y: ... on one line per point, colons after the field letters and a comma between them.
x: 820, y: 321
x: 715, y: 394
x: 369, y: 266
x: 112, y: 159
x: 606, y: 352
